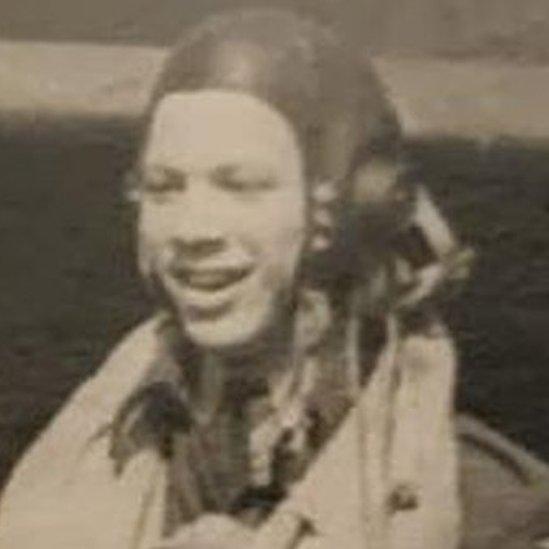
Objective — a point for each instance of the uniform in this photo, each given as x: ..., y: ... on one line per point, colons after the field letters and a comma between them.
x: 67, y: 493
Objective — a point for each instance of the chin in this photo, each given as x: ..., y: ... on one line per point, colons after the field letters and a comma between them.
x: 230, y: 334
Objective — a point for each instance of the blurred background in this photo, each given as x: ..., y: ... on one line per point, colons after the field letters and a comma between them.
x: 68, y: 287
x: 508, y: 28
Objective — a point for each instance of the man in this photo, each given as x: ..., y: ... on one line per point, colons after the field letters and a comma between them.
x: 295, y: 387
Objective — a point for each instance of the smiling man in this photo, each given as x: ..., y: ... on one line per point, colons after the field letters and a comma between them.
x: 295, y: 386
x: 222, y: 215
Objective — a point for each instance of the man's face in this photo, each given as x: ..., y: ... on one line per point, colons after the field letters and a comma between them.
x: 222, y: 218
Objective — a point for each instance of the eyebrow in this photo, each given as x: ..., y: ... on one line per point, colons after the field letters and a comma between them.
x: 245, y: 166
x: 227, y: 169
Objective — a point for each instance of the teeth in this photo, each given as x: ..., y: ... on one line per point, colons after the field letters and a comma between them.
x: 207, y: 279
x: 211, y: 280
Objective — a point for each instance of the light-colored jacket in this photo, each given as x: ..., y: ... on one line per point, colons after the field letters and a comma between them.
x: 387, y: 479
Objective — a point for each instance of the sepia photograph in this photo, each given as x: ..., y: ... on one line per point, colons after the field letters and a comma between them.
x: 275, y: 275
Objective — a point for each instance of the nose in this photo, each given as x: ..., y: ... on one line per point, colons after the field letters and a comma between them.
x: 197, y: 246
x: 195, y: 230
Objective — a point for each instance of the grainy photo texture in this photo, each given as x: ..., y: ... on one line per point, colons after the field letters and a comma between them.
x: 274, y: 276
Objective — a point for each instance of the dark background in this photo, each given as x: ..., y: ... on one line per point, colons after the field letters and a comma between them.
x: 68, y: 288
x: 512, y: 29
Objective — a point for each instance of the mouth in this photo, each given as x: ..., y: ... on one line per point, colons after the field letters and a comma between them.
x: 211, y: 280
x: 207, y: 290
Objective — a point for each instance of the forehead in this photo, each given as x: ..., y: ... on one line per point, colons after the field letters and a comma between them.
x: 211, y: 127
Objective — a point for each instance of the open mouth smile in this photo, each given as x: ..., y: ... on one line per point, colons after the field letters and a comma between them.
x: 205, y: 291
x: 211, y: 280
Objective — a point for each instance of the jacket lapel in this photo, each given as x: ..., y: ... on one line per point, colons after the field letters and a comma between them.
x: 387, y: 478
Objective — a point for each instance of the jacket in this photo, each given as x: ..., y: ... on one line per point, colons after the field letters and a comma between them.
x: 64, y: 493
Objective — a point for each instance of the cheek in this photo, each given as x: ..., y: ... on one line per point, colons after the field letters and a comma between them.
x: 150, y: 224
x: 155, y: 226
x: 279, y: 238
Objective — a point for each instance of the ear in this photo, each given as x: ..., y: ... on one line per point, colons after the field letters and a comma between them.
x: 373, y: 209
x: 131, y: 187
x: 375, y: 181
x: 132, y: 197
x: 382, y: 201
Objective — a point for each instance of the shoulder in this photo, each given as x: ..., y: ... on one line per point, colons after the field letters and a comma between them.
x: 99, y: 396
x: 86, y: 413
x: 504, y: 489
x: 67, y: 470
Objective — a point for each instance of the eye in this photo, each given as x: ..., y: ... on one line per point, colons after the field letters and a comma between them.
x: 160, y: 184
x: 242, y: 179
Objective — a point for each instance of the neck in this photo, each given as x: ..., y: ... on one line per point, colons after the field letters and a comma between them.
x: 258, y: 364
x: 266, y: 361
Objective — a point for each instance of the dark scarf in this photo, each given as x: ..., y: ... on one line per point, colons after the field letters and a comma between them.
x: 208, y: 466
